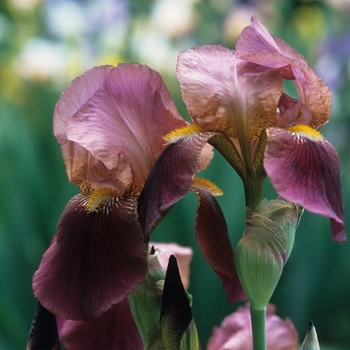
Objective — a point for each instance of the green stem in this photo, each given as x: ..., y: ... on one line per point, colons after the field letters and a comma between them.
x: 253, y: 189
x: 258, y: 327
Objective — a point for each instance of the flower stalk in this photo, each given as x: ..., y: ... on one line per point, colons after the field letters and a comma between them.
x: 258, y: 318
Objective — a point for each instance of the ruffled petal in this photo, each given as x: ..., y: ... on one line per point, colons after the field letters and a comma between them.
x: 256, y: 38
x: 306, y: 171
x: 170, y: 179
x: 115, y: 114
x: 95, y: 261
x: 225, y: 94
x: 113, y: 330
x: 214, y: 242
x: 257, y: 46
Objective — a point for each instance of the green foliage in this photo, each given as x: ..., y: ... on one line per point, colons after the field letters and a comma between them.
x: 34, y: 189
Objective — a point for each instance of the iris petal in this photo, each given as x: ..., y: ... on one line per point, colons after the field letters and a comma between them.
x: 220, y: 91
x: 111, y: 114
x: 115, y: 329
x: 95, y: 260
x: 306, y: 171
x: 171, y: 179
x: 214, y: 242
x: 257, y: 46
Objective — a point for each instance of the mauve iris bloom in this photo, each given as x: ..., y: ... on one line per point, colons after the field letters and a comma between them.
x: 237, y: 103
x: 109, y: 123
x: 235, y: 332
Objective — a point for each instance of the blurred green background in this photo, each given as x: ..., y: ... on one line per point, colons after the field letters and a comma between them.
x: 45, y: 44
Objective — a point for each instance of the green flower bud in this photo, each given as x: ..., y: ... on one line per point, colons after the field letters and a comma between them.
x: 264, y: 249
x: 310, y: 342
x: 145, y: 301
x: 162, y: 308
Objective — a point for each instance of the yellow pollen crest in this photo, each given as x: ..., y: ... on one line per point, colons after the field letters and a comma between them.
x: 98, y: 197
x: 178, y: 134
x: 207, y: 185
x: 306, y: 131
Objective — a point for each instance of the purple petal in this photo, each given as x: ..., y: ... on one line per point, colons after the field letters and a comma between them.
x: 256, y: 38
x: 292, y: 112
x: 95, y: 261
x: 117, y: 115
x: 257, y: 46
x: 306, y: 171
x: 214, y: 242
x: 220, y: 91
x: 170, y: 179
x: 113, y: 330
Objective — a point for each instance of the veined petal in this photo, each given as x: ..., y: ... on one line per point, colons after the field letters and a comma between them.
x: 225, y: 94
x: 257, y: 46
x: 118, y: 115
x: 95, y: 261
x: 170, y: 179
x: 256, y: 38
x: 305, y: 170
x: 214, y: 242
x: 113, y: 330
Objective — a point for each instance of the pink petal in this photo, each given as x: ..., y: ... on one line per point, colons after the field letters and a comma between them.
x: 214, y: 242
x: 170, y: 179
x: 292, y: 112
x: 113, y: 330
x: 225, y: 94
x: 306, y: 172
x: 257, y: 46
x: 235, y: 332
x: 183, y: 256
x: 256, y: 38
x: 95, y: 261
x: 118, y: 116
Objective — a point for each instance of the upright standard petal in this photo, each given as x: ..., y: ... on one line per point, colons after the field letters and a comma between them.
x: 118, y: 116
x: 223, y: 93
x: 305, y: 170
x: 95, y: 260
x: 257, y: 46
x: 227, y: 95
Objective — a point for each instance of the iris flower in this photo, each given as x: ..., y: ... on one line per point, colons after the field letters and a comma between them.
x: 109, y: 123
x: 237, y: 103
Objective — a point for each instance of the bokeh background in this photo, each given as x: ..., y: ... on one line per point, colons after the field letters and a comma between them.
x: 45, y: 44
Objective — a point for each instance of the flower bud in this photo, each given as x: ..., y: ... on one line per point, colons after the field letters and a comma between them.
x: 264, y: 249
x: 162, y: 308
x: 145, y: 301
x: 310, y: 342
